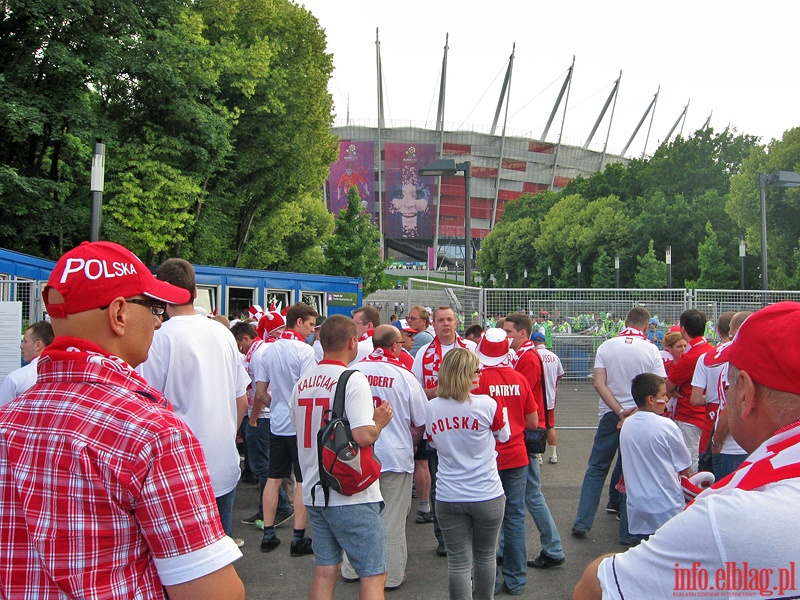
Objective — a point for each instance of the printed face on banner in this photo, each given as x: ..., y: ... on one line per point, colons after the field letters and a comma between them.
x: 354, y: 169
x: 409, y: 205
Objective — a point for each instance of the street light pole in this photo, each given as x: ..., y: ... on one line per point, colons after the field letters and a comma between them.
x: 669, y: 267
x: 785, y: 179
x: 616, y: 270
x: 549, y: 272
x: 742, y: 254
x: 97, y: 182
x: 579, y: 274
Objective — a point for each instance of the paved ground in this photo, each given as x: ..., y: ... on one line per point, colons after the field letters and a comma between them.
x: 277, y: 575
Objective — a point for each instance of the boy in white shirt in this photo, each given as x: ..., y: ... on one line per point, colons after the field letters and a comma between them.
x: 654, y: 456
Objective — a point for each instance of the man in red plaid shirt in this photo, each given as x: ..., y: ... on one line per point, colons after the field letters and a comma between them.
x: 104, y: 492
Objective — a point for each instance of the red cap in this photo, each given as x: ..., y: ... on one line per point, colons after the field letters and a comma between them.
x: 94, y: 273
x: 493, y: 348
x: 402, y: 325
x: 270, y: 322
x: 766, y: 347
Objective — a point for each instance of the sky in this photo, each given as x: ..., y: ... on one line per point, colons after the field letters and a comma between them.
x: 735, y: 59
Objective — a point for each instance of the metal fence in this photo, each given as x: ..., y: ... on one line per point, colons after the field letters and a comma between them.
x: 25, y: 291
x: 581, y: 319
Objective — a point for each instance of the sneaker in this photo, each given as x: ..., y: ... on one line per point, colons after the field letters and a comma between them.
x: 424, y: 517
x: 301, y: 548
x: 350, y: 579
x: 612, y: 508
x: 578, y: 533
x: 252, y: 520
x: 389, y: 588
x: 544, y: 561
x: 239, y: 542
x: 441, y: 549
x: 553, y: 459
x: 506, y: 590
x: 282, y: 516
x: 269, y: 544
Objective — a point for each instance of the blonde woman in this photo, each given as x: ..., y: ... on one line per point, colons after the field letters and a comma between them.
x: 469, y: 496
x: 674, y: 347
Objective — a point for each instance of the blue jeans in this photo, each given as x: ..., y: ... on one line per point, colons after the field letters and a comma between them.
x: 225, y: 508
x: 514, y: 551
x: 604, y: 449
x: 470, y: 530
x: 257, y: 441
x: 725, y: 464
x: 537, y: 506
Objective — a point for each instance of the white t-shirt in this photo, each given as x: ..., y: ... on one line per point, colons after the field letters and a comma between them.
x: 405, y: 395
x: 717, y: 533
x: 462, y: 433
x: 195, y: 363
x: 416, y: 369
x: 311, y: 397
x: 729, y: 445
x: 653, y: 453
x: 281, y: 365
x: 706, y: 377
x: 365, y: 348
x: 553, y: 370
x: 624, y: 358
x: 18, y: 381
x: 255, y: 362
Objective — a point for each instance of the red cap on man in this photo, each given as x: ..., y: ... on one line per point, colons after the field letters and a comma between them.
x: 94, y: 273
x: 766, y: 347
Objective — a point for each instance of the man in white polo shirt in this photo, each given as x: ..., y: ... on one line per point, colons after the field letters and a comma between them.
x: 389, y: 380
x: 282, y: 364
x: 617, y: 362
x: 36, y: 338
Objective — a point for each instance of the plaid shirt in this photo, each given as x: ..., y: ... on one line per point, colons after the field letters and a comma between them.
x: 97, y: 479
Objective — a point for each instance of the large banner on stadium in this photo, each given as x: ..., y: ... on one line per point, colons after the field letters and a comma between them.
x: 355, y: 168
x: 409, y: 197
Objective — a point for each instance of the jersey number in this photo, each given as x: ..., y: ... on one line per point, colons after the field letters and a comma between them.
x: 308, y: 404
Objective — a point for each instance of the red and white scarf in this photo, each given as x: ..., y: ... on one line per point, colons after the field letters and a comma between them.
x: 253, y: 347
x: 366, y: 335
x: 69, y: 359
x: 380, y: 355
x: 631, y: 332
x: 432, y: 360
x: 775, y: 460
x: 291, y: 334
x: 526, y: 346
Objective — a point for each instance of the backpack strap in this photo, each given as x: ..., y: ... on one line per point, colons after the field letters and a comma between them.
x: 338, y: 396
x: 337, y: 412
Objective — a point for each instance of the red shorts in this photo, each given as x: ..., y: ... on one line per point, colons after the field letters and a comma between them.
x: 551, y: 417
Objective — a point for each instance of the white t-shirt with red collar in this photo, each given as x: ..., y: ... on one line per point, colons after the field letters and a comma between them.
x: 311, y: 397
x: 624, y: 357
x: 553, y: 371
x: 281, y: 365
x: 392, y: 382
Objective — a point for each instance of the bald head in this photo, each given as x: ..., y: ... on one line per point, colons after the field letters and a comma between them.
x: 737, y: 320
x: 385, y: 336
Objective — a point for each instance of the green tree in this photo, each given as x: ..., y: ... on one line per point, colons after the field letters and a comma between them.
x: 652, y: 273
x: 603, y: 275
x: 783, y: 207
x: 716, y: 264
x: 354, y: 249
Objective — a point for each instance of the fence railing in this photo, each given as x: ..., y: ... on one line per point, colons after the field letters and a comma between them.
x: 25, y: 291
x: 581, y: 319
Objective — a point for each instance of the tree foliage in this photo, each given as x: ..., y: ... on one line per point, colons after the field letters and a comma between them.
x: 354, y: 249
x: 215, y: 115
x: 627, y: 211
x: 651, y: 273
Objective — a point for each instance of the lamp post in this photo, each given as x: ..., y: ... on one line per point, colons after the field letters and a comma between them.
x: 616, y: 270
x: 579, y: 274
x: 96, y: 187
x: 445, y: 167
x: 786, y: 179
x: 669, y: 267
x: 549, y: 273
x: 742, y: 254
